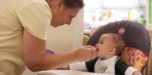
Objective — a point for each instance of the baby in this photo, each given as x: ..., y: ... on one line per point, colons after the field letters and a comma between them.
x: 110, y: 47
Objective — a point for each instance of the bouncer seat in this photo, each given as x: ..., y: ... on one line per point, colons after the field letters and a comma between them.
x: 136, y: 37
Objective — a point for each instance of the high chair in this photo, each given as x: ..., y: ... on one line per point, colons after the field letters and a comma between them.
x: 137, y: 41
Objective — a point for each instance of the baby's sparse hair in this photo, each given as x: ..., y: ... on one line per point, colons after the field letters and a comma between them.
x: 119, y: 43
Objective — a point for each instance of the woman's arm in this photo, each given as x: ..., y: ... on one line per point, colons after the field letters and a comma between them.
x: 36, y: 59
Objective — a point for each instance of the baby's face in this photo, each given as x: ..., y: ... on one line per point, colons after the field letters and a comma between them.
x: 105, y: 45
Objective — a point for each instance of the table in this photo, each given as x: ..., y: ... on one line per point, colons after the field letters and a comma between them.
x: 67, y: 72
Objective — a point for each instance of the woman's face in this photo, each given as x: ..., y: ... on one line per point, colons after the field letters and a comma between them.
x: 63, y: 15
x: 105, y: 45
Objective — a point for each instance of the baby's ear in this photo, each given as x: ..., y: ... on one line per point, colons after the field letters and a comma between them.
x: 112, y: 51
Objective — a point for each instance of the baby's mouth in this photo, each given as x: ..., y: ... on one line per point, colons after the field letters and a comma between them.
x: 97, y: 49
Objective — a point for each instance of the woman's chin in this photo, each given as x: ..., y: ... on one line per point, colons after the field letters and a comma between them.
x: 54, y: 25
x: 57, y: 25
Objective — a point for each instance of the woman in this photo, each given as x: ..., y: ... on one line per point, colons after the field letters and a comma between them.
x: 23, y: 25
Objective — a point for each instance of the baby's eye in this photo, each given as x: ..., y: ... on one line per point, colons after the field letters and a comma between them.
x: 100, y: 42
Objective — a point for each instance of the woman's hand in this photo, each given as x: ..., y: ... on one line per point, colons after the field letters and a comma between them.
x: 86, y: 53
x: 63, y: 67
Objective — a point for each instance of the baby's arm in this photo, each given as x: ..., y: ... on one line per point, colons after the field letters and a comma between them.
x: 124, y: 69
x: 79, y: 66
x: 137, y: 73
x: 132, y: 71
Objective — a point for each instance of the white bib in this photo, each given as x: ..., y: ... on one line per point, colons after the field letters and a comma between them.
x: 106, y: 66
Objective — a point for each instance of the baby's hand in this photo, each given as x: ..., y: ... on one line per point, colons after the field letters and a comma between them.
x: 137, y: 73
x: 63, y: 67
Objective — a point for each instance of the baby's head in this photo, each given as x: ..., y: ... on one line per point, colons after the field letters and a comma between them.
x: 110, y: 44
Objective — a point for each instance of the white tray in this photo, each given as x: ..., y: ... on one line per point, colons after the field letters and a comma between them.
x: 67, y: 72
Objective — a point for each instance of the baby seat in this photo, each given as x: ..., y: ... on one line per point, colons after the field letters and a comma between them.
x: 136, y: 38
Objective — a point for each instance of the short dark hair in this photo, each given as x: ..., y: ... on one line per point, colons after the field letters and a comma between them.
x: 73, y: 3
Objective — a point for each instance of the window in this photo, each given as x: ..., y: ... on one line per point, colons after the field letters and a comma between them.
x: 101, y: 12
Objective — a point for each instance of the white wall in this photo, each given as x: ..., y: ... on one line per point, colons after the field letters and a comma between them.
x: 78, y: 30
x: 64, y: 38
